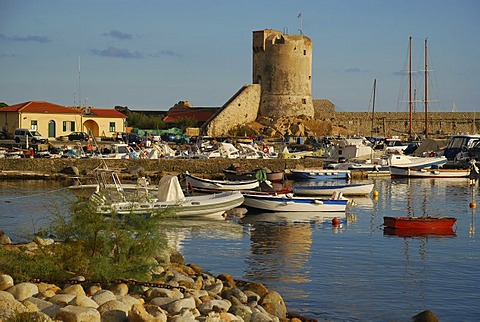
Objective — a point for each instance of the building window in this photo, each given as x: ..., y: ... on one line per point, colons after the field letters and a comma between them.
x: 112, y: 127
x: 34, y: 125
x: 68, y: 126
x: 304, y: 101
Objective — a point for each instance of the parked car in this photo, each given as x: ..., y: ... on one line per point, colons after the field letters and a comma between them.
x: 21, y: 135
x: 131, y: 138
x: 78, y: 136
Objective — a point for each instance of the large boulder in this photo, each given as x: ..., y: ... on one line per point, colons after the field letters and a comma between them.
x: 23, y: 291
x: 6, y: 281
x: 72, y: 313
x: 273, y: 303
x: 9, y: 307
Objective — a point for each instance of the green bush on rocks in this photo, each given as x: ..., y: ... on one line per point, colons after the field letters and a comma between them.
x: 100, y: 248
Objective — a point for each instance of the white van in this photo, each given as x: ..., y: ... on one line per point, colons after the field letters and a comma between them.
x: 34, y: 137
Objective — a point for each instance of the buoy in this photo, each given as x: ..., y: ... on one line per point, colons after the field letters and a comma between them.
x: 473, y: 204
x: 335, y: 221
x: 375, y: 193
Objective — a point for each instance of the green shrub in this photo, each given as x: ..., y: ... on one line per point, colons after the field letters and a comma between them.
x: 101, y: 248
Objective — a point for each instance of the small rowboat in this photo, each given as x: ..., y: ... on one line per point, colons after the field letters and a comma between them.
x: 273, y: 176
x: 220, y: 185
x: 428, y: 222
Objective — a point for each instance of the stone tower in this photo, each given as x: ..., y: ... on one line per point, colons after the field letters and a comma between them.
x: 282, y: 65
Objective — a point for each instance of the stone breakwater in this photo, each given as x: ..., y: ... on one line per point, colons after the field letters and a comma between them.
x: 54, y: 168
x: 203, y: 166
x: 184, y: 293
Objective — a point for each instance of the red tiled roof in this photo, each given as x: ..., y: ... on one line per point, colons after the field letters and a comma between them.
x: 46, y: 107
x: 200, y: 115
x: 39, y: 107
x: 104, y: 112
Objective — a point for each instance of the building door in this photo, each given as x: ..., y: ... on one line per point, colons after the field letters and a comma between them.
x: 51, y: 129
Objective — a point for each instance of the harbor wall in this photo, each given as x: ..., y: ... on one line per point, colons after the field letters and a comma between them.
x: 440, y: 124
x: 50, y: 168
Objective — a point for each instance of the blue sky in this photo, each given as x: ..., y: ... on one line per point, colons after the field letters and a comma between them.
x: 151, y: 54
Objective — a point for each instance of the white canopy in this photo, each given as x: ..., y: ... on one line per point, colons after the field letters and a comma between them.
x: 169, y: 189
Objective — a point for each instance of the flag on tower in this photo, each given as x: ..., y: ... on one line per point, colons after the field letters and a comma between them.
x: 300, y: 15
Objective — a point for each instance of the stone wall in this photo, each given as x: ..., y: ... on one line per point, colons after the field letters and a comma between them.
x: 398, y: 123
x: 153, y: 167
x: 241, y: 109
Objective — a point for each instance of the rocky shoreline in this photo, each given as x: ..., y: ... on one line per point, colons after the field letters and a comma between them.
x: 178, y: 292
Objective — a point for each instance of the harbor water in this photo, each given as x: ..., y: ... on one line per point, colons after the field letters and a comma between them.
x: 351, y: 272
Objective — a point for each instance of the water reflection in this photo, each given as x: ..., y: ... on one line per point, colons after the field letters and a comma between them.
x: 177, y: 231
x: 280, y: 243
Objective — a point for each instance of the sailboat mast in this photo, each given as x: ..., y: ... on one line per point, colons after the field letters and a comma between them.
x: 426, y: 89
x: 410, y: 101
x: 373, y: 105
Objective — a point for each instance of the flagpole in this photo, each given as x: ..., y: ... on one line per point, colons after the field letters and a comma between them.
x: 300, y: 15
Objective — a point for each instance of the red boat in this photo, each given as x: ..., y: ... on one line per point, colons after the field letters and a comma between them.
x: 419, y: 232
x: 428, y: 222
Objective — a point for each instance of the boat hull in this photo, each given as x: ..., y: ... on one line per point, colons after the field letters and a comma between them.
x: 428, y: 173
x: 206, y: 205
x: 239, y: 175
x: 421, y: 232
x: 407, y: 161
x: 346, y: 190
x: 220, y: 185
x: 421, y: 223
x: 322, y: 174
x: 286, y: 203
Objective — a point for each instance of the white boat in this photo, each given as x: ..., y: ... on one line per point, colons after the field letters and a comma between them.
x: 291, y: 203
x: 428, y: 172
x: 86, y: 189
x: 409, y: 161
x: 320, y: 174
x: 360, y: 189
x: 170, y: 197
x: 220, y: 185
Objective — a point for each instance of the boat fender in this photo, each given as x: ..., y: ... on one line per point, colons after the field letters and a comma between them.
x: 319, y: 202
x: 335, y: 221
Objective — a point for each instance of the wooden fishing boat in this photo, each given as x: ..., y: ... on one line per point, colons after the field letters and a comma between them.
x: 273, y: 176
x: 194, y: 183
x: 426, y: 222
x: 396, y: 171
x: 360, y: 189
x: 291, y: 203
x: 319, y: 174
